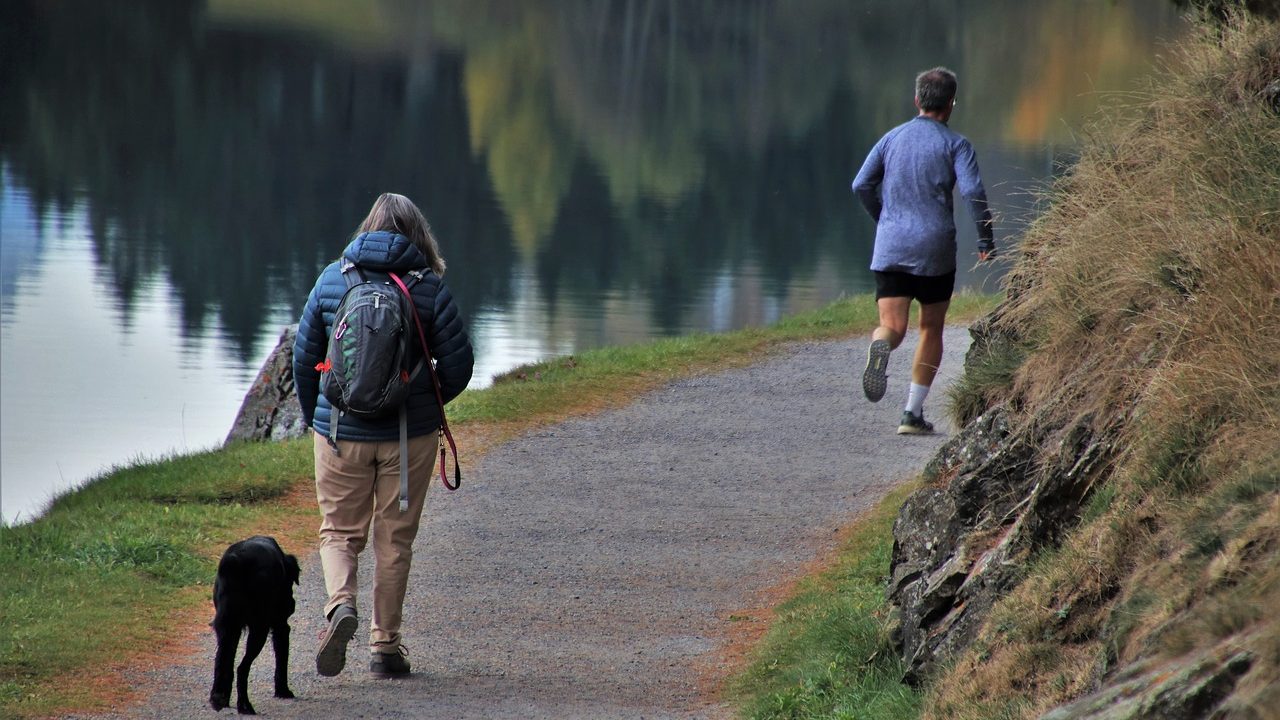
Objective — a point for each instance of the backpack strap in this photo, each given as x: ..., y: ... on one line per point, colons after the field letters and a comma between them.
x: 411, y: 278
x: 404, y: 456
x: 352, y: 275
x: 336, y: 414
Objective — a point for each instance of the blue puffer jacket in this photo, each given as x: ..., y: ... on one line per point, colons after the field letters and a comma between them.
x: 381, y: 252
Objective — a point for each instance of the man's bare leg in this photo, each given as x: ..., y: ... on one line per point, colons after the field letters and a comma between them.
x: 933, y: 318
x: 887, y: 336
x: 894, y: 314
x: 924, y: 369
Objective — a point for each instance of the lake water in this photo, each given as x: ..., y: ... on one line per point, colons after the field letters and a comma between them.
x: 174, y: 173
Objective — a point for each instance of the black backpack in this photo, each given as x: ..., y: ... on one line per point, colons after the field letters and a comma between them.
x: 366, y: 373
x: 366, y: 367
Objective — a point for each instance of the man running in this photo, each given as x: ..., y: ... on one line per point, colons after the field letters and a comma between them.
x: 906, y: 185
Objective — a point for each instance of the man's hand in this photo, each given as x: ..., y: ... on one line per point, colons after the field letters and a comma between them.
x: 985, y: 255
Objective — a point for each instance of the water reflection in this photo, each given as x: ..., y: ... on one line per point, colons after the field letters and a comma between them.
x: 598, y: 171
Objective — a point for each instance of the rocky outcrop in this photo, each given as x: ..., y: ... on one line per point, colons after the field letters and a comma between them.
x: 994, y: 496
x: 1008, y: 485
x: 1189, y: 689
x: 270, y: 410
x: 939, y: 535
x: 1271, y: 95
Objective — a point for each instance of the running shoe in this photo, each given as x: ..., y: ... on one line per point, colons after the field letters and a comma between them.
x: 876, y: 377
x: 914, y: 424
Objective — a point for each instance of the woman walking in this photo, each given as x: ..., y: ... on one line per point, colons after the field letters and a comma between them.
x: 360, y: 483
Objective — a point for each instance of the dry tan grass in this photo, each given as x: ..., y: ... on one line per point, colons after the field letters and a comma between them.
x: 1150, y: 289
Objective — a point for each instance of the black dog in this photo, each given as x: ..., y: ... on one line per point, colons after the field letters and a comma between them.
x: 254, y: 590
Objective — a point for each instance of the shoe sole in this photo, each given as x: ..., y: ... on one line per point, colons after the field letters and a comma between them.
x: 875, y: 378
x: 913, y: 430
x: 332, y: 656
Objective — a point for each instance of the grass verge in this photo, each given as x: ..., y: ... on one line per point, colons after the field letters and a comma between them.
x: 130, y: 557
x: 828, y: 653
x: 112, y: 570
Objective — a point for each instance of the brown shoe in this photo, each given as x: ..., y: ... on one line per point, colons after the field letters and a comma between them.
x: 390, y: 665
x: 332, y: 655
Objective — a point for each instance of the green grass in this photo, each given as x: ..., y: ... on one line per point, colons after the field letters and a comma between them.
x: 98, y: 576
x: 114, y: 565
x: 828, y: 653
x: 990, y: 375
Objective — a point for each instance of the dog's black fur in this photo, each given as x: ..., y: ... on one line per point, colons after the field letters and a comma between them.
x: 254, y: 590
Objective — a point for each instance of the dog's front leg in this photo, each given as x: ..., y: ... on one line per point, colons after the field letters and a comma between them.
x: 280, y: 643
x: 223, y: 663
x: 253, y: 646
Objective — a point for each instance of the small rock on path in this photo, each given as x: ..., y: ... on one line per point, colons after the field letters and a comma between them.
x: 586, y: 569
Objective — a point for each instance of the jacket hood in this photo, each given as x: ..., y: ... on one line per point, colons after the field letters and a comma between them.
x: 384, y: 251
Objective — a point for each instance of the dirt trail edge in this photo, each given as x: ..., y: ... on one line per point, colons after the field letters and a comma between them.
x: 586, y: 570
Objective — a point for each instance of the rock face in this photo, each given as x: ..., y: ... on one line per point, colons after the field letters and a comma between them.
x: 1190, y: 689
x: 994, y: 496
x: 1006, y: 486
x: 270, y: 410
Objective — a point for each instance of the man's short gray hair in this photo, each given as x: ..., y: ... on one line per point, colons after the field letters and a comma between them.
x: 935, y: 89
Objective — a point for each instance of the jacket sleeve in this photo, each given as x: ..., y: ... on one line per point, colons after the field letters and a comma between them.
x: 450, y: 346
x: 867, y: 183
x: 972, y: 190
x: 309, y: 349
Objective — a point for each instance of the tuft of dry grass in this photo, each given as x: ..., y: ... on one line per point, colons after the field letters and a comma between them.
x: 1150, y: 290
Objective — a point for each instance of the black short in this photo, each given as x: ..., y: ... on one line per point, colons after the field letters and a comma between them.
x: 928, y: 289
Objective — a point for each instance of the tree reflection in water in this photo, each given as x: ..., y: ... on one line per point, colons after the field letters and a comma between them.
x: 636, y: 148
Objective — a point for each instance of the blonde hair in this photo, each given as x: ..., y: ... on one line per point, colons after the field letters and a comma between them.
x: 396, y: 213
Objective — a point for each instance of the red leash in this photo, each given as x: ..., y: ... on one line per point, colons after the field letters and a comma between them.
x: 435, y: 382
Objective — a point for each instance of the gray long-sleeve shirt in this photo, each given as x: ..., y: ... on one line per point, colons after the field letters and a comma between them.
x: 906, y: 185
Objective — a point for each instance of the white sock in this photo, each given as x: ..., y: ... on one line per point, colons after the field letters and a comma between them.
x: 915, y: 399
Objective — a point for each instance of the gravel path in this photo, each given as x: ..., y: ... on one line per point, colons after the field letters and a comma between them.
x: 587, y: 569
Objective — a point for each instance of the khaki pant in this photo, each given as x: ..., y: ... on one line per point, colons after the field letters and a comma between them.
x: 359, y: 486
